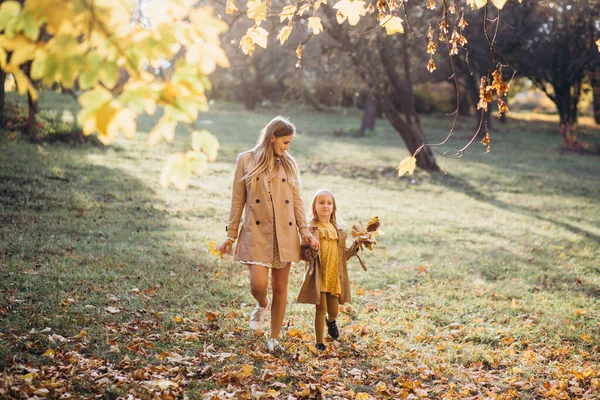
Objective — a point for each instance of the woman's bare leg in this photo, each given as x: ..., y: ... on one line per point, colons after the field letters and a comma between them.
x: 279, y: 284
x: 259, y: 281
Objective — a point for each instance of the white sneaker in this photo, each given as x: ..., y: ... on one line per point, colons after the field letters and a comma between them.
x: 274, y: 346
x: 258, y: 316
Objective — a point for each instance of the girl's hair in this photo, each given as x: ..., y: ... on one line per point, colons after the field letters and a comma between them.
x: 262, y: 153
x: 336, y: 217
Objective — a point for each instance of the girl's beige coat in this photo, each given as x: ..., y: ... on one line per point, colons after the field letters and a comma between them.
x: 310, y: 292
x: 284, y: 206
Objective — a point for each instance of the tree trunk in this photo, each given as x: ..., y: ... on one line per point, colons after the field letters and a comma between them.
x: 31, y: 118
x: 2, y: 96
x: 411, y: 133
x: 248, y: 92
x: 464, y: 108
x: 566, y: 103
x: 596, y: 92
x: 369, y: 114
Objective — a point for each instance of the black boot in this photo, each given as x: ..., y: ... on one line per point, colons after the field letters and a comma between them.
x: 332, y: 328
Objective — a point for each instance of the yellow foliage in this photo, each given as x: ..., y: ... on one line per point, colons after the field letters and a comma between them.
x: 392, y: 24
x: 351, y: 10
x: 257, y: 10
x: 314, y: 23
x: 284, y: 34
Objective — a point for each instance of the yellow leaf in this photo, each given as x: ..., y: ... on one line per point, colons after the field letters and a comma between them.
x: 362, y: 396
x: 230, y: 8
x: 476, y: 3
x: 392, y: 24
x: 104, y: 116
x: 123, y: 122
x: 24, y: 85
x: 352, y: 10
x: 247, y: 45
x: 212, y: 248
x: 486, y: 140
x: 163, y: 129
x: 175, y: 171
x: 431, y: 65
x: 303, y: 8
x: 317, y: 4
x: 284, y: 34
x: 598, y: 44
x: 380, y: 387
x: 259, y: 36
x: 314, y: 23
x: 287, y: 13
x: 257, y: 10
x: 49, y: 353
x: 22, y: 48
x: 499, y: 3
x: 178, y: 319
x: 407, y: 165
x: 197, y: 162
x: 206, y: 142
x: 579, y: 311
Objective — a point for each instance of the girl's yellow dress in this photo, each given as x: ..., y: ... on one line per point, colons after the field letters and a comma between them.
x: 330, y: 280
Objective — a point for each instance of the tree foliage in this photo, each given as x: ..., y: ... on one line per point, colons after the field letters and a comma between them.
x: 113, y: 57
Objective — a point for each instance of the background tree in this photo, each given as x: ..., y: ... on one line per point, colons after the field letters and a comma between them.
x: 560, y: 54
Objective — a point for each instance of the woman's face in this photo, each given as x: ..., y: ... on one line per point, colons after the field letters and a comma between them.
x: 324, y: 207
x: 281, y: 144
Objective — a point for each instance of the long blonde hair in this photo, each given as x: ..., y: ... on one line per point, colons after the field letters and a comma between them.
x: 336, y: 217
x: 262, y: 153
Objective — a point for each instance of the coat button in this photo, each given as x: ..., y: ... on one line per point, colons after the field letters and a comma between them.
x: 287, y: 202
x: 258, y: 200
x: 291, y: 223
x: 257, y: 222
x: 283, y: 180
x: 257, y: 178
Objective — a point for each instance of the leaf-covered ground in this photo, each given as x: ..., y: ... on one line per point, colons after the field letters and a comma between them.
x: 485, y: 283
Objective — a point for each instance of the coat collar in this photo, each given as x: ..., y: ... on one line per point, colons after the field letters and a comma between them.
x: 312, y: 225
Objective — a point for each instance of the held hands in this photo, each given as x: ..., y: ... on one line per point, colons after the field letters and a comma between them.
x: 313, y: 242
x: 226, y: 246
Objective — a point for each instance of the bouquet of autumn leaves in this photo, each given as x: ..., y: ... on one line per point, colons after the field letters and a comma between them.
x: 365, y: 237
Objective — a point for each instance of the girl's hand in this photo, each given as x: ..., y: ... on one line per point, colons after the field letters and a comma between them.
x: 225, y: 247
x: 314, y: 242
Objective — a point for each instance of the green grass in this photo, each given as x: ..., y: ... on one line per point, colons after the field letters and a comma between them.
x: 485, y: 283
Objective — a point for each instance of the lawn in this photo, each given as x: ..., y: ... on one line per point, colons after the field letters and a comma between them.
x: 484, y: 284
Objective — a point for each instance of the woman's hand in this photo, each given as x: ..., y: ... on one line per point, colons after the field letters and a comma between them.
x: 225, y: 247
x: 313, y: 242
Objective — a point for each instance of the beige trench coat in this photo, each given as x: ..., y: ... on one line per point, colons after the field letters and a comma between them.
x: 310, y: 291
x: 255, y: 238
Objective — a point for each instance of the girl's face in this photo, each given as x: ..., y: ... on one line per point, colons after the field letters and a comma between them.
x: 324, y: 207
x: 281, y: 144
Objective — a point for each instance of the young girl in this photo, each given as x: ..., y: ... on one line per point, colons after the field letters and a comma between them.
x: 326, y: 279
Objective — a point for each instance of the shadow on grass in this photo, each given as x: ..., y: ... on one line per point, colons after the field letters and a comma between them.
x: 544, y: 279
x: 80, y: 241
x: 461, y: 185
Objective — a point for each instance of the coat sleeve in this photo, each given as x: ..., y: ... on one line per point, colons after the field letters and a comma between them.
x: 299, y: 210
x: 238, y: 199
x: 352, y: 250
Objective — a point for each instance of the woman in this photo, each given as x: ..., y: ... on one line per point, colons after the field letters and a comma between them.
x: 266, y: 189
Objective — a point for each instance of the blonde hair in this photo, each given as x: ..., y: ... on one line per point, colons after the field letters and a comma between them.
x: 262, y: 153
x: 335, y: 218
